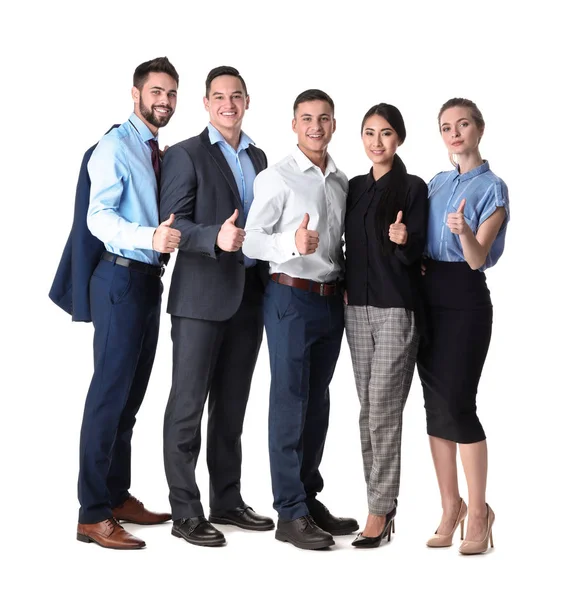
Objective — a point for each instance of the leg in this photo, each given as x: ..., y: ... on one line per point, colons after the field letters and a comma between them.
x: 475, y: 463
x: 444, y: 459
x: 119, y: 477
x: 229, y: 393
x: 288, y: 346
x: 121, y: 301
x: 195, y: 348
x: 361, y: 345
x: 395, y: 341
x: 323, y: 359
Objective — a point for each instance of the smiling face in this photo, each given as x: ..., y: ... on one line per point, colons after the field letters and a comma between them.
x: 380, y: 141
x: 226, y: 103
x: 460, y: 132
x: 314, y: 123
x: 155, y: 102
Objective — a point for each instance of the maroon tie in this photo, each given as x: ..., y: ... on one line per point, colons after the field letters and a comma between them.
x: 156, y: 159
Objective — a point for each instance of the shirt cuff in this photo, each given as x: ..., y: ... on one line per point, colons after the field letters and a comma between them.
x: 287, y: 244
x: 144, y: 238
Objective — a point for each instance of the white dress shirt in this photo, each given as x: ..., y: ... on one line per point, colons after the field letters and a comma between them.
x: 284, y: 193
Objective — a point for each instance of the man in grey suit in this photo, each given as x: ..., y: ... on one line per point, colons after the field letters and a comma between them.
x: 215, y: 301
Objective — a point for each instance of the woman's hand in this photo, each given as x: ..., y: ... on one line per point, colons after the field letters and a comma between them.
x: 398, y: 231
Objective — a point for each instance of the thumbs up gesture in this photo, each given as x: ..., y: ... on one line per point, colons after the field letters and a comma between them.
x: 307, y: 240
x: 165, y: 238
x: 230, y: 237
x: 398, y: 231
x: 455, y: 220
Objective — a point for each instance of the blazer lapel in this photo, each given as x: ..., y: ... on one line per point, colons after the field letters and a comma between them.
x: 217, y: 156
x: 256, y: 158
x: 366, y: 184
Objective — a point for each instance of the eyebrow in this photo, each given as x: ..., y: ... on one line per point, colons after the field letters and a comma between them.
x: 310, y: 115
x: 372, y: 129
x: 225, y: 94
x: 458, y: 121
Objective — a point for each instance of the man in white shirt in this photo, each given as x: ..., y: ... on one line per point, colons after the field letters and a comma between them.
x: 296, y: 223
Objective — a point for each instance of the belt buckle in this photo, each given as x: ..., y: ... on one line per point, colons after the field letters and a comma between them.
x: 321, y: 289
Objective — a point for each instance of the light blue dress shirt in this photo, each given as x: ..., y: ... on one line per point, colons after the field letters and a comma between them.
x: 123, y: 210
x: 242, y: 168
x: 484, y: 192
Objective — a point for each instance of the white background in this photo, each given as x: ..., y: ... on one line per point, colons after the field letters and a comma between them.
x: 66, y: 78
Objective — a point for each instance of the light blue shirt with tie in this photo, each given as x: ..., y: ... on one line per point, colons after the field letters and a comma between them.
x: 123, y: 211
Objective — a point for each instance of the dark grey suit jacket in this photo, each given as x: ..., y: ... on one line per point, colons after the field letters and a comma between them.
x: 197, y: 185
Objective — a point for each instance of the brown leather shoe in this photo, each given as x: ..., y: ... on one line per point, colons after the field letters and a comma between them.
x: 133, y: 511
x: 108, y: 534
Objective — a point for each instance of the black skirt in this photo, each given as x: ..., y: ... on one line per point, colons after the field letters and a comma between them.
x: 458, y: 317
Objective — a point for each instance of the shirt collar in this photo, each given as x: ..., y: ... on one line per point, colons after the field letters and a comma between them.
x: 381, y: 183
x: 215, y: 136
x: 485, y: 166
x: 142, y: 129
x: 304, y: 163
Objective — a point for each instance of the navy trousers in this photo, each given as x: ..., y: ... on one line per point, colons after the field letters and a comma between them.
x: 304, y: 332
x: 125, y: 306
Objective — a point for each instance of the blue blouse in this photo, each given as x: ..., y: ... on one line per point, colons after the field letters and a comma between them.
x: 484, y: 192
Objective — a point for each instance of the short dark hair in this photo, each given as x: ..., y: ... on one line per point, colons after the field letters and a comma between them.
x: 313, y: 94
x: 465, y: 103
x: 157, y: 65
x: 223, y: 70
x: 391, y: 114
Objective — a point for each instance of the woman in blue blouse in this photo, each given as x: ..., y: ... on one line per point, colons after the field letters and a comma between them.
x: 468, y: 215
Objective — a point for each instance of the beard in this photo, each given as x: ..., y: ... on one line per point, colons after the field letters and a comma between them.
x: 151, y: 117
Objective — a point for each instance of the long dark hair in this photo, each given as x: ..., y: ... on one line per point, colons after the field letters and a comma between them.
x: 394, y: 195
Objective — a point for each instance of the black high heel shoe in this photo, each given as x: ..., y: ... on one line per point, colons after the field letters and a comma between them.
x: 373, y: 542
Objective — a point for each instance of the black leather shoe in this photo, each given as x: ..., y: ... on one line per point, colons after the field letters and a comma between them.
x: 303, y: 533
x: 373, y: 542
x: 244, y: 517
x: 328, y: 522
x: 198, y: 531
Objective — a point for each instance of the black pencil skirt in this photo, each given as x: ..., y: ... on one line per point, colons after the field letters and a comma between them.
x: 458, y: 315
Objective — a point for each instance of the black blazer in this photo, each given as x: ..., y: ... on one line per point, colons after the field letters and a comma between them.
x: 71, y: 286
x: 197, y: 185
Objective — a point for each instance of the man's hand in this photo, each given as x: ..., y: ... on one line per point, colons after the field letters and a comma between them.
x: 398, y: 231
x: 456, y: 222
x: 307, y: 240
x: 230, y: 237
x: 165, y: 238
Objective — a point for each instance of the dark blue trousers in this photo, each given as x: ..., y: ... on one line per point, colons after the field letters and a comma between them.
x: 304, y: 332
x: 125, y: 306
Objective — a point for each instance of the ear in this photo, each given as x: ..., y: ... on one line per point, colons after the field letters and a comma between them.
x: 206, y: 104
x: 294, y: 125
x: 135, y: 94
x: 334, y: 125
x: 247, y: 102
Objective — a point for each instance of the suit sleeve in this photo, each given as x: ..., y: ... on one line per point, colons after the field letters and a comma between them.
x: 179, y: 193
x: 415, y: 219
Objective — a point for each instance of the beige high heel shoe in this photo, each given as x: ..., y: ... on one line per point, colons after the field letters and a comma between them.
x: 468, y: 547
x: 440, y: 540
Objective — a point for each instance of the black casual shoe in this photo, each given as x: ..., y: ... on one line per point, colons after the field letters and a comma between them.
x: 303, y: 533
x: 244, y: 517
x: 328, y: 522
x: 198, y: 531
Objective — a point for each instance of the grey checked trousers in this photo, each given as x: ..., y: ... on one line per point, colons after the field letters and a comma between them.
x: 383, y: 344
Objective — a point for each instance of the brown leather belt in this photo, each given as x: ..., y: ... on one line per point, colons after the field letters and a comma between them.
x: 323, y: 289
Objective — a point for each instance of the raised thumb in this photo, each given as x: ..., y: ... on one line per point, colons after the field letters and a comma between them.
x: 169, y: 221
x: 234, y: 216
x: 461, y: 206
x: 399, y: 217
x: 305, y: 222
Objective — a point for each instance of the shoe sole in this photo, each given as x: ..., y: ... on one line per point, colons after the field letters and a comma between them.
x: 141, y: 522
x: 198, y: 543
x: 86, y: 539
x: 341, y: 531
x: 222, y: 521
x: 303, y: 545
